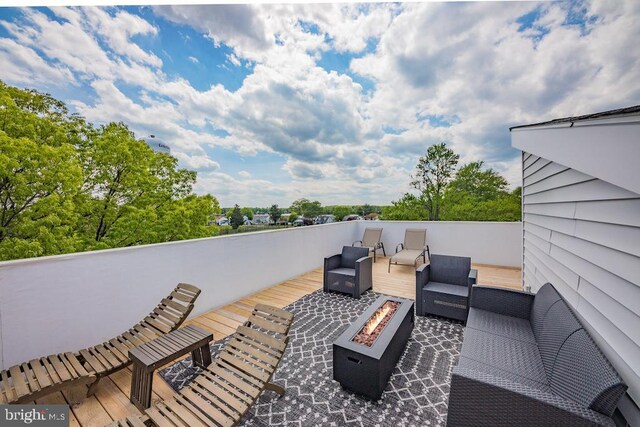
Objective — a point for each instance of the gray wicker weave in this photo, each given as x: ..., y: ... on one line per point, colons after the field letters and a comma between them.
x: 527, y: 360
x: 350, y: 272
x: 443, y: 286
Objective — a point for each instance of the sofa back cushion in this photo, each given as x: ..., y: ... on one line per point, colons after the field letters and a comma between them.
x: 583, y: 374
x: 351, y: 254
x: 449, y: 269
x: 544, y: 299
x: 558, y: 325
x: 576, y: 368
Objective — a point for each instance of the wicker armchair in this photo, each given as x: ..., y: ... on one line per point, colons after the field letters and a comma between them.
x: 349, y: 272
x: 444, y: 285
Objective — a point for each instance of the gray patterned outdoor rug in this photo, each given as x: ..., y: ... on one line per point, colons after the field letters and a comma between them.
x: 416, y: 395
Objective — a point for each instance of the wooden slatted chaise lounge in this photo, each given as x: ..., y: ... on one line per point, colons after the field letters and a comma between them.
x: 31, y: 380
x: 224, y: 392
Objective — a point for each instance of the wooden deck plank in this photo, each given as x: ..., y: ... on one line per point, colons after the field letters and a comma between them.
x: 58, y: 399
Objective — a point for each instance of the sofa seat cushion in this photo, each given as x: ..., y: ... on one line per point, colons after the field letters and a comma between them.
x: 499, y: 324
x: 467, y: 363
x: 510, y: 355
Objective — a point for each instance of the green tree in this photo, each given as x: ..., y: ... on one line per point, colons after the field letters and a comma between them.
x: 66, y: 186
x: 248, y: 212
x: 341, y: 211
x: 292, y: 217
x: 433, y: 172
x: 275, y: 213
x: 39, y: 174
x: 127, y: 185
x: 408, y: 208
x: 480, y: 195
x: 37, y: 186
x: 366, y: 209
x: 236, y: 219
x: 307, y: 208
x: 478, y: 183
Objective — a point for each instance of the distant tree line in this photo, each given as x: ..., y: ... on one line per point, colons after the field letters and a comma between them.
x: 67, y: 186
x: 468, y: 193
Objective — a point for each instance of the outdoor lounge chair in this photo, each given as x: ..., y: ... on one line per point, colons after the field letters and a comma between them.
x: 38, y: 377
x: 227, y: 389
x: 372, y: 239
x: 414, y: 247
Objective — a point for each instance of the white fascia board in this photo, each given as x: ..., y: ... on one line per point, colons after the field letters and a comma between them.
x: 607, y: 149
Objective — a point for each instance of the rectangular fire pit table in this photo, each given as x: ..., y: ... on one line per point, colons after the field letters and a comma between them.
x: 158, y: 352
x: 366, y: 368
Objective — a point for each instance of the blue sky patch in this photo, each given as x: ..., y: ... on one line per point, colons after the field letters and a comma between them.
x: 389, y: 130
x: 437, y: 120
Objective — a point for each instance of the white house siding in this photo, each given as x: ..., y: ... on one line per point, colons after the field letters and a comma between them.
x: 582, y: 234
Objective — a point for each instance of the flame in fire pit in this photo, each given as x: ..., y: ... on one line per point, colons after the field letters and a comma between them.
x: 373, y: 327
x: 375, y: 320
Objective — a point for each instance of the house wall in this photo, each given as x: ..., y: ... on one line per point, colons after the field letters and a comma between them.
x: 67, y: 302
x: 582, y: 234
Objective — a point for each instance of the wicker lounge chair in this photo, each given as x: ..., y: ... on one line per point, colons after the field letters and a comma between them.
x: 226, y: 390
x: 349, y: 272
x: 38, y: 377
x: 414, y: 247
x: 372, y: 239
x: 444, y: 285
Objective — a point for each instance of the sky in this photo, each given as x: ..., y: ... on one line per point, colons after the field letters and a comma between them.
x: 332, y: 102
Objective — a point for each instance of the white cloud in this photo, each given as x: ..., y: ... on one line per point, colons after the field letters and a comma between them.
x: 193, y: 59
x: 21, y: 64
x: 234, y: 59
x: 461, y: 73
x: 199, y: 163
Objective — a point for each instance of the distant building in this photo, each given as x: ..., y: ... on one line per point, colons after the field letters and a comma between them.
x: 157, y: 145
x: 261, y: 219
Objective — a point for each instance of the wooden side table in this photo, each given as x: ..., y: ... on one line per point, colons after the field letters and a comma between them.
x: 150, y: 356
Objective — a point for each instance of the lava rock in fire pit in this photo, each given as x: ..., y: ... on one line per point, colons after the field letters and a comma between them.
x: 376, y: 323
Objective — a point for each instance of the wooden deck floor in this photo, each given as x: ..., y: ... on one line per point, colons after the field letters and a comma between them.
x: 111, y: 401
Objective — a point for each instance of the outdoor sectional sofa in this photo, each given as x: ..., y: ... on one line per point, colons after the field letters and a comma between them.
x: 527, y: 360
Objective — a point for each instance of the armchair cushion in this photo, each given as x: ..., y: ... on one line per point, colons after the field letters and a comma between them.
x: 351, y: 254
x: 344, y: 271
x: 450, y: 269
x: 447, y: 288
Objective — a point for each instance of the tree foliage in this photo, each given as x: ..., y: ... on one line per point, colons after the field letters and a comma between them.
x: 472, y: 194
x: 248, y: 212
x: 275, y: 213
x: 433, y: 172
x: 236, y: 219
x: 408, y: 208
x: 341, y: 211
x: 307, y: 208
x: 66, y: 186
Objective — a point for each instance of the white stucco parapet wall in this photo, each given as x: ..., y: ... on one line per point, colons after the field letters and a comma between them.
x: 67, y: 302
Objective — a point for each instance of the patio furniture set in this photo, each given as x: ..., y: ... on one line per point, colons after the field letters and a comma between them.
x: 525, y: 360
